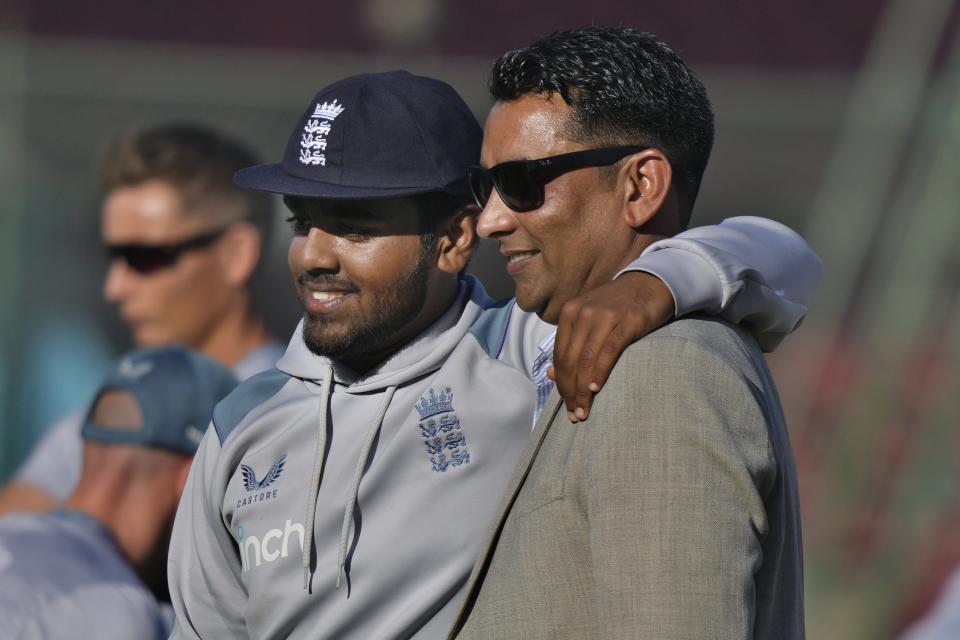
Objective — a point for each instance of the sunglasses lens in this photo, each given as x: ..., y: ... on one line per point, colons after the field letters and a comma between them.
x: 481, y: 185
x: 518, y: 189
x: 144, y: 260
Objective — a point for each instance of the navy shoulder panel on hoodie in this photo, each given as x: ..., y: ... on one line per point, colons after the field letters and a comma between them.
x: 250, y: 393
x: 490, y: 329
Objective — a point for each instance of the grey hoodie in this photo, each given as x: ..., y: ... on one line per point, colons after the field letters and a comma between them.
x: 323, y: 504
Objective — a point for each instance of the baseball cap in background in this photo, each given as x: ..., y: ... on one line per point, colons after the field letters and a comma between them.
x: 175, y: 389
x: 376, y: 135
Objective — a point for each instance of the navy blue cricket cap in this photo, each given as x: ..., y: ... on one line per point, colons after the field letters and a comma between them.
x: 376, y: 135
x: 175, y: 389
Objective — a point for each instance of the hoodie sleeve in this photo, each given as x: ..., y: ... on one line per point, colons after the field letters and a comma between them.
x: 204, y: 565
x: 751, y: 271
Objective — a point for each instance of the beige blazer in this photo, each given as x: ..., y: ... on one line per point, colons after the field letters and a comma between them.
x: 671, y: 513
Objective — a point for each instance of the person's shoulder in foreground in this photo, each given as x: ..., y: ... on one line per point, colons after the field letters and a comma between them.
x: 674, y: 507
x: 96, y: 592
x: 94, y: 569
x: 696, y: 417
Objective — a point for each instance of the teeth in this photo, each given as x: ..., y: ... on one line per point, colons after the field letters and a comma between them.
x: 521, y: 256
x: 326, y: 296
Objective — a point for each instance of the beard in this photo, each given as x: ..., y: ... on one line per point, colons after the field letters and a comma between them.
x: 394, y: 308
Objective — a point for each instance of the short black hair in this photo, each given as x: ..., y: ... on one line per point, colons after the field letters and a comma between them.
x: 625, y: 87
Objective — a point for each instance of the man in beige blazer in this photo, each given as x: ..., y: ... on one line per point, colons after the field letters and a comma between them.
x: 672, y: 511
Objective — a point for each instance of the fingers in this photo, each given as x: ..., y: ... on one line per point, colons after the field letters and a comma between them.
x: 581, y: 338
x: 595, y: 328
x: 607, y: 340
x: 614, y: 344
x: 594, y: 344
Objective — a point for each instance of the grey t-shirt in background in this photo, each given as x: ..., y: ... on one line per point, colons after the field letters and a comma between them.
x: 62, y: 575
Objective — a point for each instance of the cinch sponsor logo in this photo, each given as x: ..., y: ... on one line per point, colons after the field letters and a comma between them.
x: 274, y: 544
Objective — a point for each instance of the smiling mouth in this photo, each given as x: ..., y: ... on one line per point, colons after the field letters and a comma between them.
x: 326, y: 301
x: 327, y: 296
x: 516, y: 257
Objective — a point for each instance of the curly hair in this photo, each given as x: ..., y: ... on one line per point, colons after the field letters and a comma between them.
x: 624, y: 86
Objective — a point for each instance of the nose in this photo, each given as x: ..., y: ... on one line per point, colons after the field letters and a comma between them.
x: 119, y: 281
x: 316, y: 250
x: 496, y: 219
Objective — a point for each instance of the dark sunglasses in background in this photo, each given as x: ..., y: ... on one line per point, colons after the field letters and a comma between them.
x: 147, y: 258
x: 520, y: 182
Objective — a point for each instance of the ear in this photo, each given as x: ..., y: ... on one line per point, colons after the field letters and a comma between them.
x: 456, y: 240
x: 240, y: 251
x: 648, y: 178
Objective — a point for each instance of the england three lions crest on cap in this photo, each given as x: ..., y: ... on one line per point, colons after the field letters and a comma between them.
x: 442, y: 431
x: 313, y: 141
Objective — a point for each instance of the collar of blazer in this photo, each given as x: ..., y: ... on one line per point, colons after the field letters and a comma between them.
x: 475, y: 582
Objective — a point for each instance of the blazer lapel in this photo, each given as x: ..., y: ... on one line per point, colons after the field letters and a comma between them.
x: 550, y: 409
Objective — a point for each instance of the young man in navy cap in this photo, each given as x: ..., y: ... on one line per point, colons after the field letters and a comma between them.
x: 405, y: 395
x: 87, y: 570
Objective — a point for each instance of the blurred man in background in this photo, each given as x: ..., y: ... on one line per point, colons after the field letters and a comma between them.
x: 184, y: 244
x: 87, y: 570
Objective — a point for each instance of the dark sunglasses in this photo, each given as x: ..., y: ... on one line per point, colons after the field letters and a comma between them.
x: 147, y: 258
x: 520, y: 182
